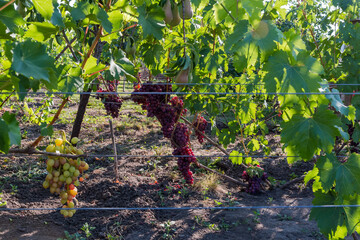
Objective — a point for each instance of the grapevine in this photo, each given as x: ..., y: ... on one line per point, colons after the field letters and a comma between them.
x: 65, y: 174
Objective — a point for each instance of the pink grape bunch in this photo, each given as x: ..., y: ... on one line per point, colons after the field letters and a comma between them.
x: 201, y: 125
x: 168, y: 111
x: 112, y: 102
x: 254, y: 175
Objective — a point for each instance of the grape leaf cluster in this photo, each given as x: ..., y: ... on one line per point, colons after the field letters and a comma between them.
x: 65, y: 174
x: 168, y: 112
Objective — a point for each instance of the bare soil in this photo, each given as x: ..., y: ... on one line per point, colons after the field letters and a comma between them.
x: 148, y: 182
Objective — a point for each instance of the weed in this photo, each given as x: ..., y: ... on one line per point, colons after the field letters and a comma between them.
x: 284, y: 217
x: 2, y: 203
x: 201, y: 222
x: 75, y: 236
x: 87, y: 228
x: 169, y: 230
x: 208, y: 183
x: 14, y: 189
x: 256, y: 216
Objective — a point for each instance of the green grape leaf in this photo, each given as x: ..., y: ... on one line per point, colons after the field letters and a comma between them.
x: 234, y: 157
x: 10, y: 17
x: 246, y: 111
x: 344, y: 4
x: 3, y: 33
x: 221, y: 14
x: 293, y: 42
x: 92, y: 66
x: 246, y: 55
x: 327, y: 166
x: 46, y: 130
x: 93, y: 13
x: 253, y: 8
x: 71, y: 80
x: 307, y: 135
x: 4, y: 136
x: 311, y: 175
x: 253, y: 145
x: 239, y: 33
x: 56, y: 18
x: 331, y: 221
x: 337, y: 103
x: 151, y: 53
x: 44, y: 7
x: 120, y: 65
x: 116, y: 19
x: 41, y: 31
x: 13, y: 127
x: 348, y: 176
x: 31, y: 60
x: 151, y: 21
x: 303, y: 76
x: 356, y: 134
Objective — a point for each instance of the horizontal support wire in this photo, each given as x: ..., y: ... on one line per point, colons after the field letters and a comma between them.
x: 181, y: 93
x: 216, y: 84
x: 180, y: 208
x: 161, y: 156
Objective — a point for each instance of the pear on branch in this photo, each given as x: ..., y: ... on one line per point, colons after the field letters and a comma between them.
x: 182, y: 76
x: 176, y: 17
x: 168, y: 12
x: 187, y: 12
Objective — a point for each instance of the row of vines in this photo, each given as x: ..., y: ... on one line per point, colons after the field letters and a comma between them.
x: 297, y: 62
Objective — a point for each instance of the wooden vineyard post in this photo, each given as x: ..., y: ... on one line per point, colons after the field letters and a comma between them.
x: 115, y: 152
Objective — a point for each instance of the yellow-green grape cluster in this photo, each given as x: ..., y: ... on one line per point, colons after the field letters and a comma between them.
x: 65, y: 174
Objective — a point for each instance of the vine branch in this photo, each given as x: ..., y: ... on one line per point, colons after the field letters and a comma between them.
x: 69, y: 45
x: 7, y: 98
x: 7, y: 4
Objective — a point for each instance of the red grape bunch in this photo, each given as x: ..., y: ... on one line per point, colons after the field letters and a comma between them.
x: 254, y: 175
x: 168, y: 112
x: 112, y: 102
x: 200, y: 124
x: 184, y: 162
x: 64, y: 174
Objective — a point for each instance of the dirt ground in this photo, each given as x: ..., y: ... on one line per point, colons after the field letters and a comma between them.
x: 149, y: 182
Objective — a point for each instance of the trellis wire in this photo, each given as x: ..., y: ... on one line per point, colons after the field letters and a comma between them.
x: 220, y: 84
x: 182, y: 93
x: 160, y: 156
x: 181, y: 208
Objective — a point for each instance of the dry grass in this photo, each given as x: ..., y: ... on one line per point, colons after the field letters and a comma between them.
x: 209, y: 182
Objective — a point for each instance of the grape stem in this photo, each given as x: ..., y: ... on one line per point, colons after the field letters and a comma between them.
x: 8, y: 97
x: 7, y: 4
